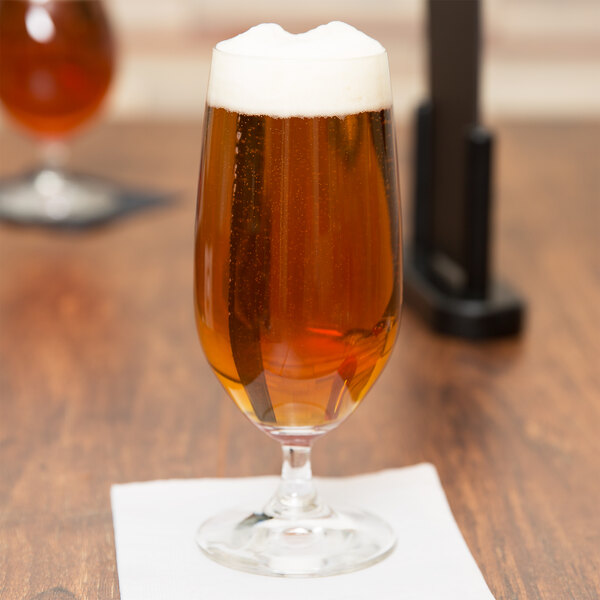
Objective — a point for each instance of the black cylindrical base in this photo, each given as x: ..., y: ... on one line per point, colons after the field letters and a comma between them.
x: 500, y: 314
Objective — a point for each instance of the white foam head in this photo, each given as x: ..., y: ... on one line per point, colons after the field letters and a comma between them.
x: 333, y: 70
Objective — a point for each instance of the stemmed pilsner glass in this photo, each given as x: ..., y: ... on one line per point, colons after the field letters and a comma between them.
x: 297, y: 273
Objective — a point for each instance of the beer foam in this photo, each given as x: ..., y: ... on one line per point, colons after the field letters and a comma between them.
x: 332, y: 70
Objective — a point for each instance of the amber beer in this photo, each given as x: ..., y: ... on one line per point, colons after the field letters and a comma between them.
x: 56, y: 62
x: 297, y: 285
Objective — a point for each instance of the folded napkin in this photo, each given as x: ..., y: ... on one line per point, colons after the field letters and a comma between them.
x: 157, y: 558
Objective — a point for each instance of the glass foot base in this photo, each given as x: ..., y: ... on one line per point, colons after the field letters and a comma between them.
x: 338, y: 542
x: 58, y: 198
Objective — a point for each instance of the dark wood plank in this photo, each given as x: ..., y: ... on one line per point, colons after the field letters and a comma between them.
x: 102, y: 379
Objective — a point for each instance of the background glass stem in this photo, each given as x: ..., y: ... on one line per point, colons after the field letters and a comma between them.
x: 54, y: 154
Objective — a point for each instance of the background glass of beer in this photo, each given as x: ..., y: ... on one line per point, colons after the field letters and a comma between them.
x: 297, y: 279
x: 57, y: 61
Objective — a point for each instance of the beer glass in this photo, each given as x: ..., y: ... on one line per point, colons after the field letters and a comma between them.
x: 297, y: 285
x: 56, y: 67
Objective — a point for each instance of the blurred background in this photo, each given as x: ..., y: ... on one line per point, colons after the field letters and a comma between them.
x: 541, y: 57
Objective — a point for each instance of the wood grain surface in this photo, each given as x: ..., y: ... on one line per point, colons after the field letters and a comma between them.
x: 102, y: 379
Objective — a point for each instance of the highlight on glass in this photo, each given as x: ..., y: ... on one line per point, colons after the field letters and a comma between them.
x: 298, y: 273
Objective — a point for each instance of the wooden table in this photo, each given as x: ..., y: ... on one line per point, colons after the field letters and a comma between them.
x: 102, y: 378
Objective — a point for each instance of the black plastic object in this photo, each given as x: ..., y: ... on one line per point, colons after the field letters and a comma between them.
x: 447, y: 269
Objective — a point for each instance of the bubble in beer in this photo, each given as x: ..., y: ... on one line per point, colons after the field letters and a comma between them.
x: 332, y: 70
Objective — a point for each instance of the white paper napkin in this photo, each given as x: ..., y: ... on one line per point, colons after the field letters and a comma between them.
x: 157, y: 558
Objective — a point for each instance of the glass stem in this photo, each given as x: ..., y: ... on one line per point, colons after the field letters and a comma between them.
x: 50, y: 182
x: 296, y: 497
x: 54, y: 154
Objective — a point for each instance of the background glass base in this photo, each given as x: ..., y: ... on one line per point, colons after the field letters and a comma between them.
x: 336, y: 542
x: 54, y: 197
